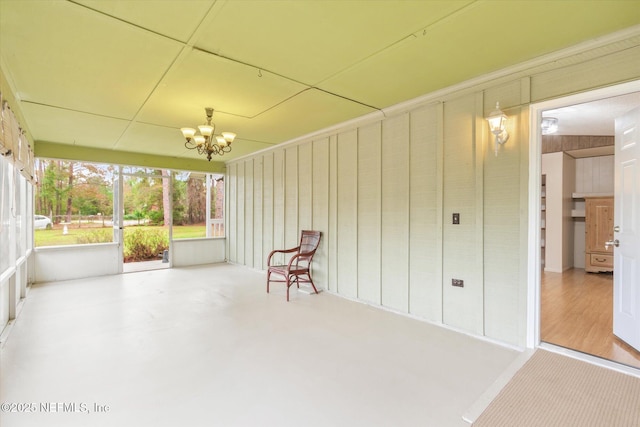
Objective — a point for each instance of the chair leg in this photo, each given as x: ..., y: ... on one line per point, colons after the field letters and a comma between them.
x: 311, y: 281
x: 268, y: 278
x: 288, y: 285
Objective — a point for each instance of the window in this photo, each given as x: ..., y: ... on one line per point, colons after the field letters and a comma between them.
x: 192, y: 202
x: 73, y: 203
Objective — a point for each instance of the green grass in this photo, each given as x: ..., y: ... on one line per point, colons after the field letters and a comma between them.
x: 55, y: 237
x: 189, y: 231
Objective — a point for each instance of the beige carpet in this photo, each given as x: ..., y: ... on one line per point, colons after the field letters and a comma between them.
x: 555, y: 390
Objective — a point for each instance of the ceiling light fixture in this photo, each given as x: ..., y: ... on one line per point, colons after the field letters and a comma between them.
x: 497, y: 124
x: 208, y: 142
x: 549, y: 125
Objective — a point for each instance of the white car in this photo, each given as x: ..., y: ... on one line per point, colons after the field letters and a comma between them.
x: 41, y: 222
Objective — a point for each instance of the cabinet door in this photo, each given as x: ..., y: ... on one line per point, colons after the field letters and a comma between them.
x: 599, y: 223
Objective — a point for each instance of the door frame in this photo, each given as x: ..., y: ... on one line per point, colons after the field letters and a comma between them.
x: 119, y: 204
x: 535, y: 171
x: 118, y: 212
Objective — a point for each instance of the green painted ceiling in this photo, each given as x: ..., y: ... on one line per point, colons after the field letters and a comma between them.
x: 125, y: 75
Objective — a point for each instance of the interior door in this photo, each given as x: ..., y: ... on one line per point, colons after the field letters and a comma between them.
x: 626, y: 236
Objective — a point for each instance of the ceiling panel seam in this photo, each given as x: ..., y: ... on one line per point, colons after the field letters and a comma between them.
x: 150, y: 94
x: 413, y: 34
x: 260, y: 69
x: 134, y: 24
x: 42, y: 104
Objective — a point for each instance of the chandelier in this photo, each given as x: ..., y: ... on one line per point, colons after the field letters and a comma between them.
x: 208, y: 142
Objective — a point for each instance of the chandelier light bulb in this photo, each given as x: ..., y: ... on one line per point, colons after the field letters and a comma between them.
x: 188, y: 132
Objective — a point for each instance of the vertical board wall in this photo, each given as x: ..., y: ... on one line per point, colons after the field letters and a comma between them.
x: 383, y: 193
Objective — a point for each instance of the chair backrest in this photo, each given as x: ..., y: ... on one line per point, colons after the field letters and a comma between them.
x: 309, y: 241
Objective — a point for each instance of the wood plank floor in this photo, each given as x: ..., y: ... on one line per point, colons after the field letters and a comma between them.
x: 577, y: 313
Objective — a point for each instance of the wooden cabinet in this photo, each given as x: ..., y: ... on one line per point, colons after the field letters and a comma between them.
x: 599, y: 229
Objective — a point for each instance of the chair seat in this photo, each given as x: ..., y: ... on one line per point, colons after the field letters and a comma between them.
x: 282, y: 269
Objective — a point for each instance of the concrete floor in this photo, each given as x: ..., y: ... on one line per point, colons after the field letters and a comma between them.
x: 207, y: 346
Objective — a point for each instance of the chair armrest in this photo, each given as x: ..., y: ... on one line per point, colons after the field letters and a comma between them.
x: 307, y: 256
x: 283, y: 251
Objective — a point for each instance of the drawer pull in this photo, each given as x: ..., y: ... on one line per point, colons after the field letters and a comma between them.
x: 601, y: 259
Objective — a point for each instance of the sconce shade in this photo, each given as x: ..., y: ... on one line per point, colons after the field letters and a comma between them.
x: 497, y: 120
x: 498, y: 126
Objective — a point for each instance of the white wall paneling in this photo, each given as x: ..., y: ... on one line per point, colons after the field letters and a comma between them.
x: 305, y: 187
x: 395, y: 213
x: 258, y: 214
x: 267, y: 206
x: 231, y: 200
x: 425, y: 274
x: 502, y: 220
x: 278, y: 200
x: 594, y: 174
x: 569, y: 75
x: 291, y: 231
x: 518, y: 315
x: 241, y: 183
x: 53, y: 263
x: 248, y: 217
x: 320, y: 209
x: 332, y: 236
x: 369, y: 212
x: 187, y: 252
x: 347, y: 209
x: 462, y: 306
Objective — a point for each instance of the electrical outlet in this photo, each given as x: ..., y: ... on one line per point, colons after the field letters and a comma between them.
x: 456, y: 218
x: 457, y: 282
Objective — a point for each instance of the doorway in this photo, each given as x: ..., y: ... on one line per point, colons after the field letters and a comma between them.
x: 142, y: 218
x: 571, y: 307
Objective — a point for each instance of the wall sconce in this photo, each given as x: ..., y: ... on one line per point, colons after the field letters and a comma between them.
x: 497, y: 124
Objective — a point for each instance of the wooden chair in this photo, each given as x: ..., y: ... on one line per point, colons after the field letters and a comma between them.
x: 298, y: 269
